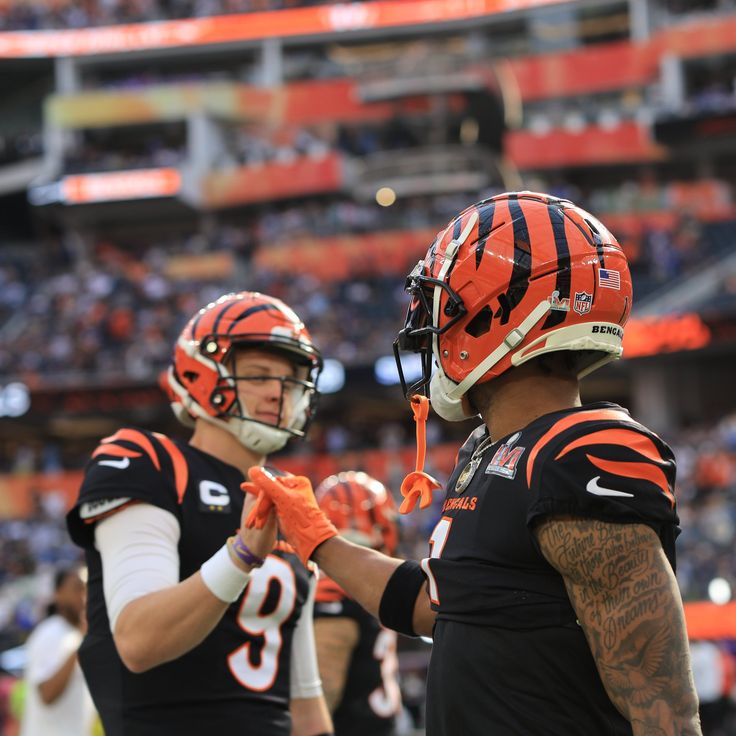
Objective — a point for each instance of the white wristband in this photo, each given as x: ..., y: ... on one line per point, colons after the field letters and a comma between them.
x: 223, y: 577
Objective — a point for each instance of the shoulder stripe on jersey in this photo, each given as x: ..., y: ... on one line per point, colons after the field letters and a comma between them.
x: 137, y: 438
x: 115, y: 451
x: 593, y: 415
x: 181, y: 470
x: 633, y: 440
x: 642, y: 471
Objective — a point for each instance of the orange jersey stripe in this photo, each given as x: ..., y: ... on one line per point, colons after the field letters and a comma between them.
x: 138, y: 438
x: 626, y: 437
x: 181, y: 470
x: 593, y: 415
x: 642, y: 471
x: 329, y: 591
x: 115, y: 451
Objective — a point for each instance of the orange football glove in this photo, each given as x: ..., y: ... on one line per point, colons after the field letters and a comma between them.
x: 300, y: 518
x: 258, y: 515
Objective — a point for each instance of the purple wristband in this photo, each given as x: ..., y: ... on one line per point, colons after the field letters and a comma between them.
x: 244, y: 554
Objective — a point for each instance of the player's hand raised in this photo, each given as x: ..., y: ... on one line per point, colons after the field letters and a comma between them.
x: 259, y: 541
x: 300, y: 518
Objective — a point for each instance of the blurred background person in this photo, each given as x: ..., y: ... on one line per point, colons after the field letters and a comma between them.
x: 357, y: 656
x: 57, y: 701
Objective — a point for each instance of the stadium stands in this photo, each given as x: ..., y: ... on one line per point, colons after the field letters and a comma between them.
x: 317, y: 166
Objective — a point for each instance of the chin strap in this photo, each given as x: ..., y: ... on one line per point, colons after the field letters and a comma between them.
x: 418, y: 484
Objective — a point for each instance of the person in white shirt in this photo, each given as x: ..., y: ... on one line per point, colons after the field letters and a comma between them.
x: 57, y: 700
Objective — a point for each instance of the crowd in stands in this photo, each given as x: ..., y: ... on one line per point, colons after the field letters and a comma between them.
x: 117, y: 309
x: 64, y: 14
x: 37, y: 15
x: 14, y: 148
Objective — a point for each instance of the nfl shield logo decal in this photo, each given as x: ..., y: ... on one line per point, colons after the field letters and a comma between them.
x: 582, y: 303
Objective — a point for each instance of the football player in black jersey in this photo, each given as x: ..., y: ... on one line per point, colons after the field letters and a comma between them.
x: 357, y: 656
x: 550, y: 592
x: 195, y: 627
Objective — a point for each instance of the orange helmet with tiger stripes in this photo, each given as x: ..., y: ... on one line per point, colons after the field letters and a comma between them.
x: 362, y: 509
x: 511, y: 278
x: 201, y: 376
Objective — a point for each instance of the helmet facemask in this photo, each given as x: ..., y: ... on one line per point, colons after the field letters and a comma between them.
x: 293, y: 413
x: 421, y: 330
x: 297, y: 396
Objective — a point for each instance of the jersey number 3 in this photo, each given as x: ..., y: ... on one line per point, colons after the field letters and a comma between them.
x: 254, y: 673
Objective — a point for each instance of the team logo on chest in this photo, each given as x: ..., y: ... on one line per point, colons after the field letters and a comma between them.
x: 213, y: 497
x: 506, y: 459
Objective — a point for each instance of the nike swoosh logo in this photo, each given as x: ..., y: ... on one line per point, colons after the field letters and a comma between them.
x: 119, y: 464
x: 597, y: 490
x: 330, y: 607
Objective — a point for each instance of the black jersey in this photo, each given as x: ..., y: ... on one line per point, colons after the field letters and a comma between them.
x: 508, y: 655
x: 371, y: 699
x: 237, y: 679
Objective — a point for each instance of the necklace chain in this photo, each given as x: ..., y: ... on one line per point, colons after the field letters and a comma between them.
x: 468, y: 472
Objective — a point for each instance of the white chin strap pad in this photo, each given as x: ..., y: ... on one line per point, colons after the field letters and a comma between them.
x: 450, y: 409
x: 257, y: 437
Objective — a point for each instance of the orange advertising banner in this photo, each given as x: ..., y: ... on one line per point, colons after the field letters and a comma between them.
x: 252, y: 26
x: 619, y: 65
x: 300, y: 103
x: 706, y: 620
x: 598, y: 68
x: 627, y: 143
x: 337, y: 258
x: 666, y: 334
x: 273, y: 181
x: 120, y: 185
x: 19, y: 493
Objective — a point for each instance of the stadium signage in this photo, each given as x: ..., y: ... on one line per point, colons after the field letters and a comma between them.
x: 117, y: 186
x: 251, y: 26
x: 666, y: 334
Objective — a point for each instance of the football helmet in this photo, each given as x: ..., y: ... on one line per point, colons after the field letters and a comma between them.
x: 509, y: 279
x: 361, y: 508
x: 204, y: 385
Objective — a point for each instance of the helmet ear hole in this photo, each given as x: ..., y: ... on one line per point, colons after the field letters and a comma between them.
x: 481, y: 323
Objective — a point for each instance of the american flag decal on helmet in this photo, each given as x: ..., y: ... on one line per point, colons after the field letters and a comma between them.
x: 608, y: 279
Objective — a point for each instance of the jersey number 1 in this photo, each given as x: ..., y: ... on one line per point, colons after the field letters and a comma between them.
x: 261, y: 676
x: 437, y: 542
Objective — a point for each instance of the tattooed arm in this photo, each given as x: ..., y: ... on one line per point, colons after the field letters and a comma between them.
x: 627, y: 601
